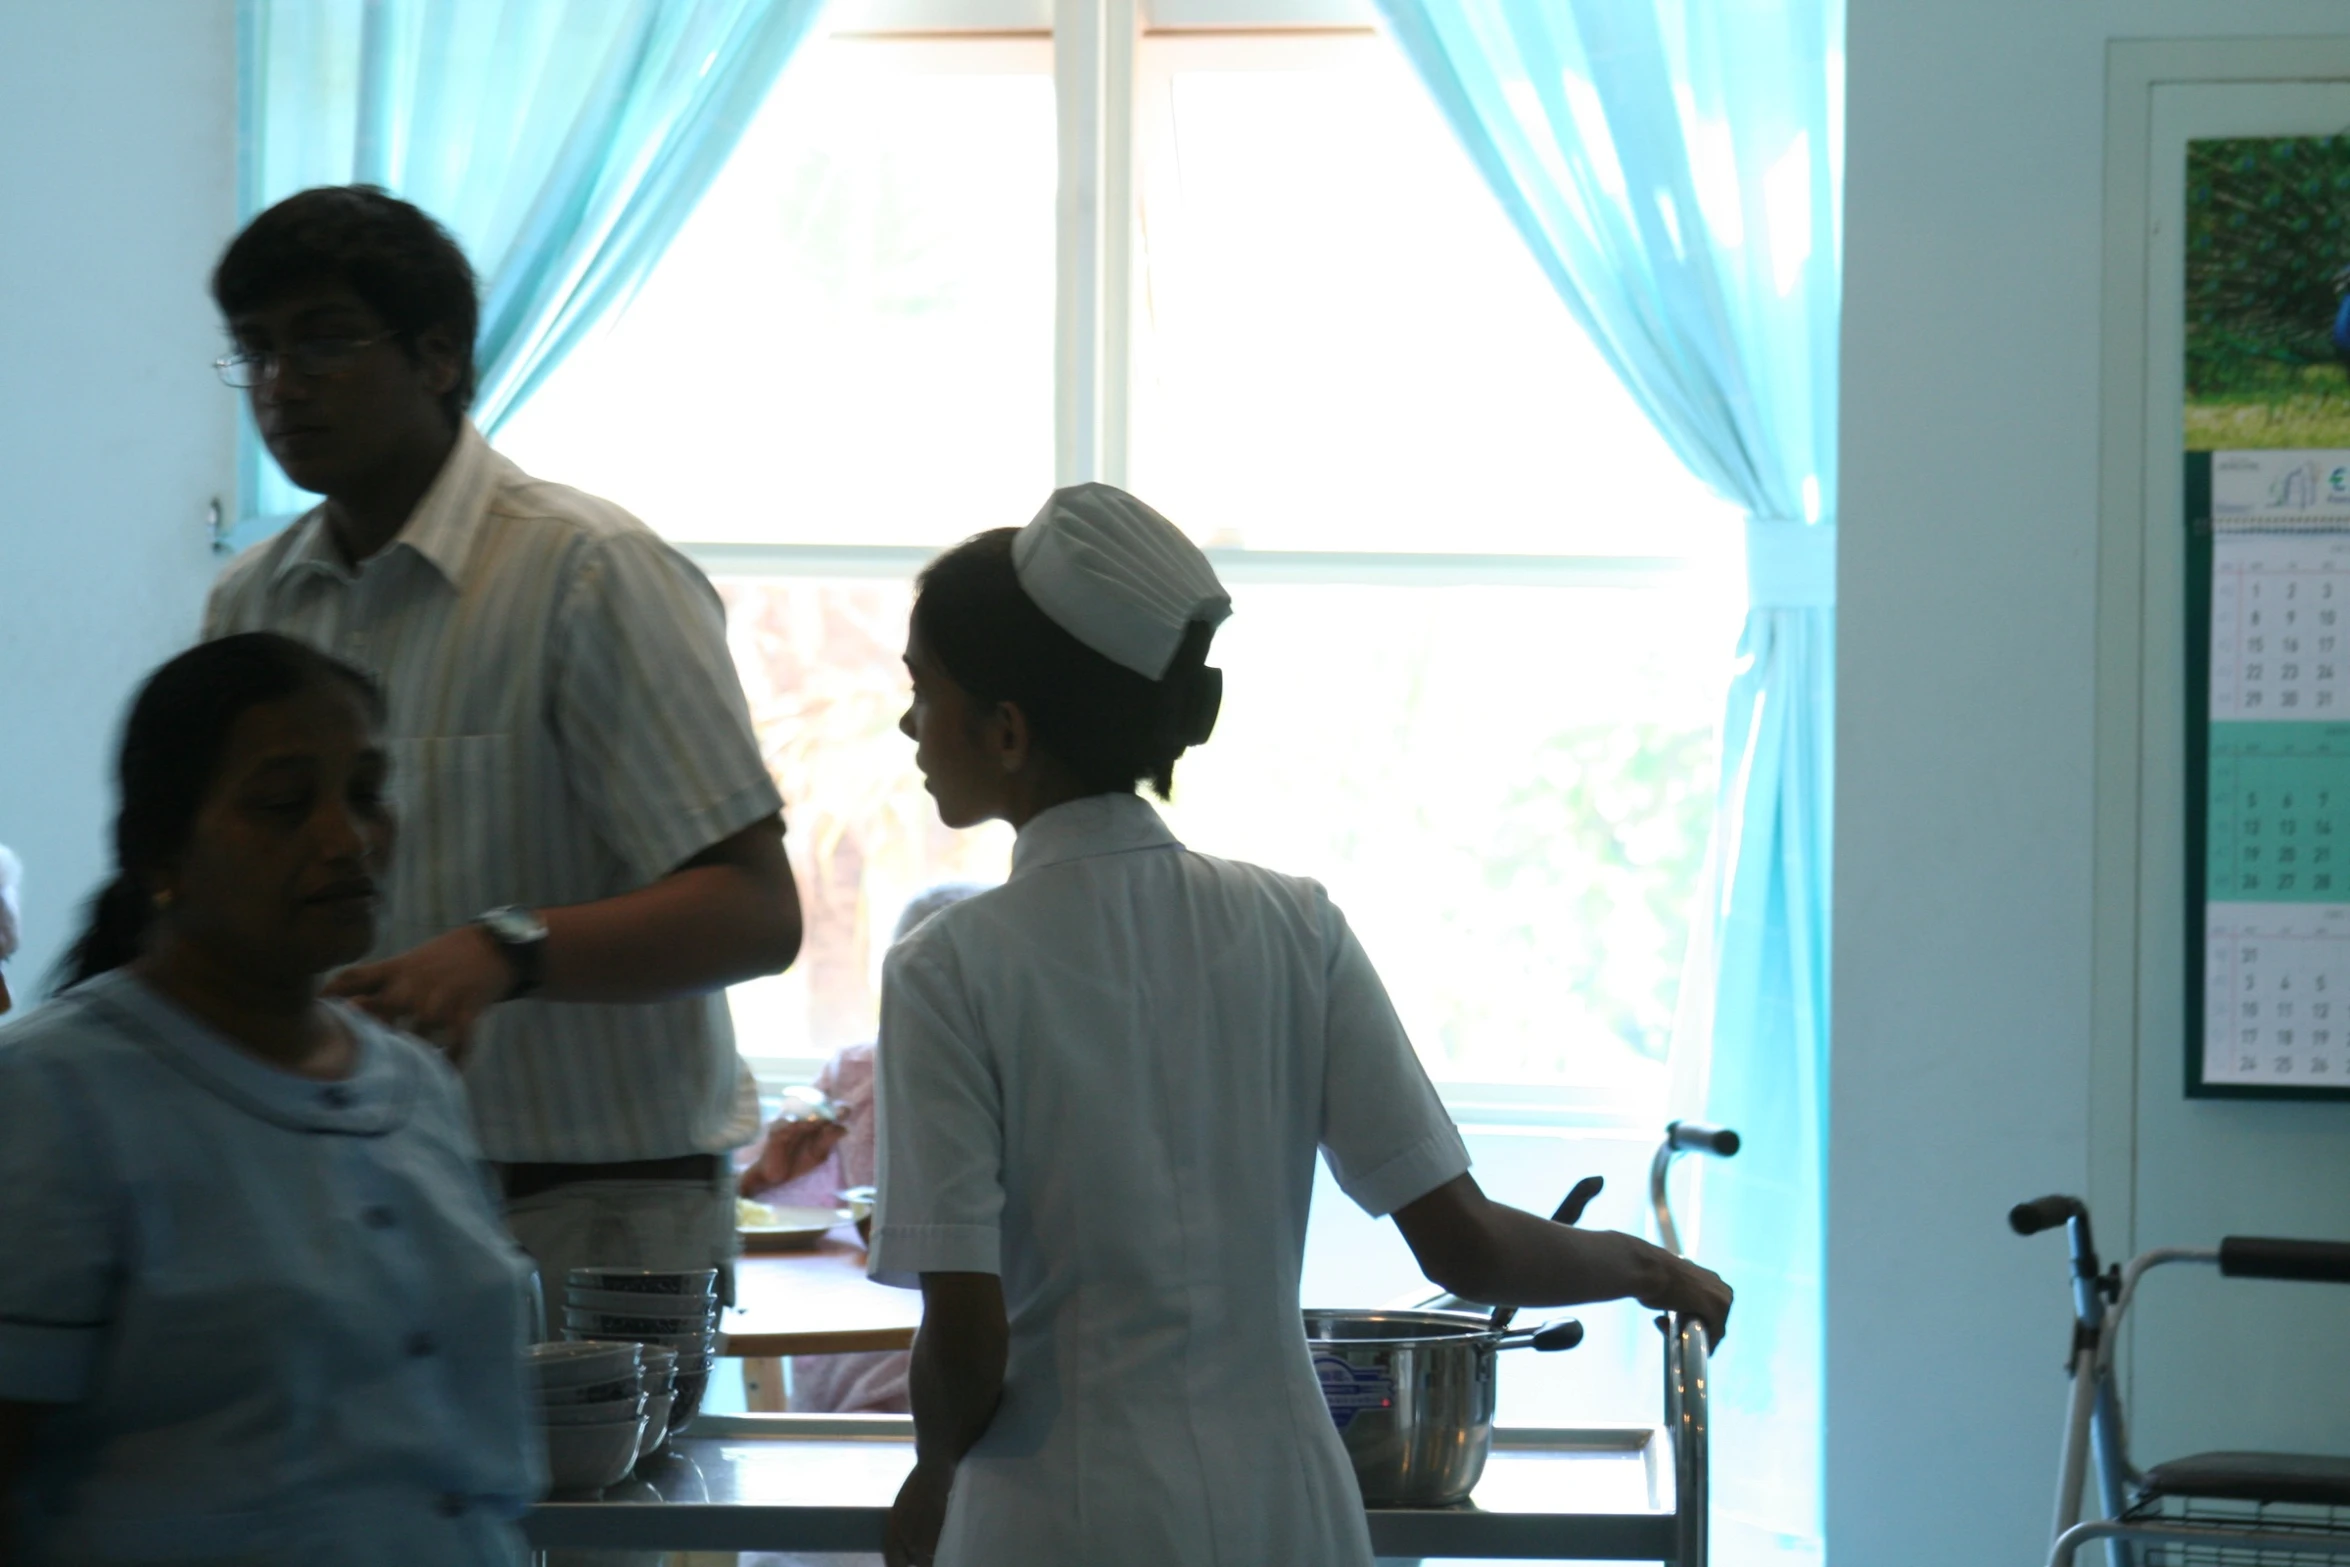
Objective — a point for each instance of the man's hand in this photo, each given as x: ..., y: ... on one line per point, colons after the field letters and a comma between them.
x: 910, y: 1538
x: 437, y: 991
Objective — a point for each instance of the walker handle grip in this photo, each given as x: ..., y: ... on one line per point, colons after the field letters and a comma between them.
x: 2043, y: 1213
x: 1720, y: 1141
x: 2260, y: 1257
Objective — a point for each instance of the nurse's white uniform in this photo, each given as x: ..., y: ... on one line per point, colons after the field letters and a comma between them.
x: 1106, y: 1081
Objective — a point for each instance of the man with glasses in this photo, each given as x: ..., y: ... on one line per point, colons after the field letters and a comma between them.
x: 591, y: 845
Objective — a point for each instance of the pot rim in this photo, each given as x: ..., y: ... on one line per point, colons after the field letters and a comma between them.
x: 1438, y: 1327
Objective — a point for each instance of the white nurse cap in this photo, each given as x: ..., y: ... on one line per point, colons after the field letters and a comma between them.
x: 1117, y: 576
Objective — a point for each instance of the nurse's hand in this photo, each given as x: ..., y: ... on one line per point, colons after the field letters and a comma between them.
x: 1691, y: 1291
x: 436, y: 991
x: 910, y: 1538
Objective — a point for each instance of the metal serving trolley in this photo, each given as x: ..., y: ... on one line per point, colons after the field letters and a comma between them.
x: 2211, y: 1509
x: 824, y: 1483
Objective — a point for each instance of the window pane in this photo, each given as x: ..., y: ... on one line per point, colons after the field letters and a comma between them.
x: 1507, y: 789
x: 822, y: 665
x: 851, y: 340
x: 1342, y: 344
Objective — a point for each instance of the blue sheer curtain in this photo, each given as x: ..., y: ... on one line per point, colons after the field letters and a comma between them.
x: 1676, y: 168
x: 562, y: 141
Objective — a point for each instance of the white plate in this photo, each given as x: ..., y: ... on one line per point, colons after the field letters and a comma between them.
x: 790, y: 1229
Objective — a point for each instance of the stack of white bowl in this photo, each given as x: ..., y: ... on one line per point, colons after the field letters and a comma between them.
x: 660, y: 1396
x: 592, y: 1409
x: 672, y: 1311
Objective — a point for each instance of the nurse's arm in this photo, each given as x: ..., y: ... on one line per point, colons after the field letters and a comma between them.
x: 956, y: 1380
x: 1480, y: 1249
x: 16, y: 1441
x: 958, y: 1367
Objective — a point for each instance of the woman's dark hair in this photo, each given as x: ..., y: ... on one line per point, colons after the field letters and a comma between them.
x: 1109, y: 725
x: 172, y: 745
x: 393, y: 256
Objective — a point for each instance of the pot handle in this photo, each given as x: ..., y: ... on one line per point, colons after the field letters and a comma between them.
x: 1565, y: 1333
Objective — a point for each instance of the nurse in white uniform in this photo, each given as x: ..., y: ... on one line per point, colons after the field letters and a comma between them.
x: 256, y: 1306
x: 1103, y: 1087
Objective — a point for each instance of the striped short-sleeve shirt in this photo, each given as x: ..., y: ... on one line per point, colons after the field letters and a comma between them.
x: 565, y: 725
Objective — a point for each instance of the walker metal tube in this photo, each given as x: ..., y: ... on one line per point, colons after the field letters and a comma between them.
x: 1666, y: 1235
x: 2076, y: 1439
x: 1686, y: 1352
x: 2155, y: 1533
x: 1685, y: 1406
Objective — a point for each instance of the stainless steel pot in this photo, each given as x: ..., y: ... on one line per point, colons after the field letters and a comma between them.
x: 1412, y: 1394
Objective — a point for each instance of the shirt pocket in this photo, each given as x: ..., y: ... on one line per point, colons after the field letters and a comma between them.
x: 456, y: 856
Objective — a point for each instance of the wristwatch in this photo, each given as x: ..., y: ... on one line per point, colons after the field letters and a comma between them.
x: 522, y: 937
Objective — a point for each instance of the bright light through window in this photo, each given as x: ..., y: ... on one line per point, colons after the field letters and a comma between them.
x: 851, y: 340
x: 1341, y: 342
x: 1506, y: 788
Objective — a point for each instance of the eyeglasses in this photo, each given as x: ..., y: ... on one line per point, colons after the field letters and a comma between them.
x: 310, y: 359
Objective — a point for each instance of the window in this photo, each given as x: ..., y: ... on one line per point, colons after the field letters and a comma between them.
x: 1483, y: 615
x: 851, y: 341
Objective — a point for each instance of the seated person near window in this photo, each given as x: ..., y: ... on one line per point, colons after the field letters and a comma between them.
x: 11, y: 873
x: 257, y: 1305
x: 809, y: 1163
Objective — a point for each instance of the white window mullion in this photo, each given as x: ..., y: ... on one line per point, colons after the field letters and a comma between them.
x: 1094, y: 45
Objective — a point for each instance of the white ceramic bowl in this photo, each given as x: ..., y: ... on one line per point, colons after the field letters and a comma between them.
x: 656, y: 1426
x: 686, y: 1308
x: 689, y: 1346
x: 588, y: 1458
x: 636, y: 1325
x: 687, y: 1400
x: 615, y: 1391
x: 576, y: 1363
x: 632, y: 1407
x: 645, y: 1281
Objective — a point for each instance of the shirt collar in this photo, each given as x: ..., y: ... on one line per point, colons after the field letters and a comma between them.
x: 442, y: 528
x: 374, y: 1099
x: 1080, y: 829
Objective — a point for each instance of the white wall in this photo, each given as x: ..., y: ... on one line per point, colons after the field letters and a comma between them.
x: 1967, y: 807
x: 117, y: 190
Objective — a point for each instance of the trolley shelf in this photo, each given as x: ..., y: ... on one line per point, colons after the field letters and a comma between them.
x: 824, y: 1483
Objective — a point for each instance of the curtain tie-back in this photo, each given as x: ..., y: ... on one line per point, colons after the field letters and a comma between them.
x: 1790, y: 564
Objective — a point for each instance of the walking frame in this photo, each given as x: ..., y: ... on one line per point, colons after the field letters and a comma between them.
x: 2222, y: 1509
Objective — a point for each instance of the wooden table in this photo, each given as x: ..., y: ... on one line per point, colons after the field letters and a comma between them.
x: 815, y: 1302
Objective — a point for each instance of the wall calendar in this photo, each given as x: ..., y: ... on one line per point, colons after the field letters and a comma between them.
x: 2269, y: 728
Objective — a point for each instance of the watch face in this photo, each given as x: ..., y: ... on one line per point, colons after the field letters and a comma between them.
x: 514, y: 927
